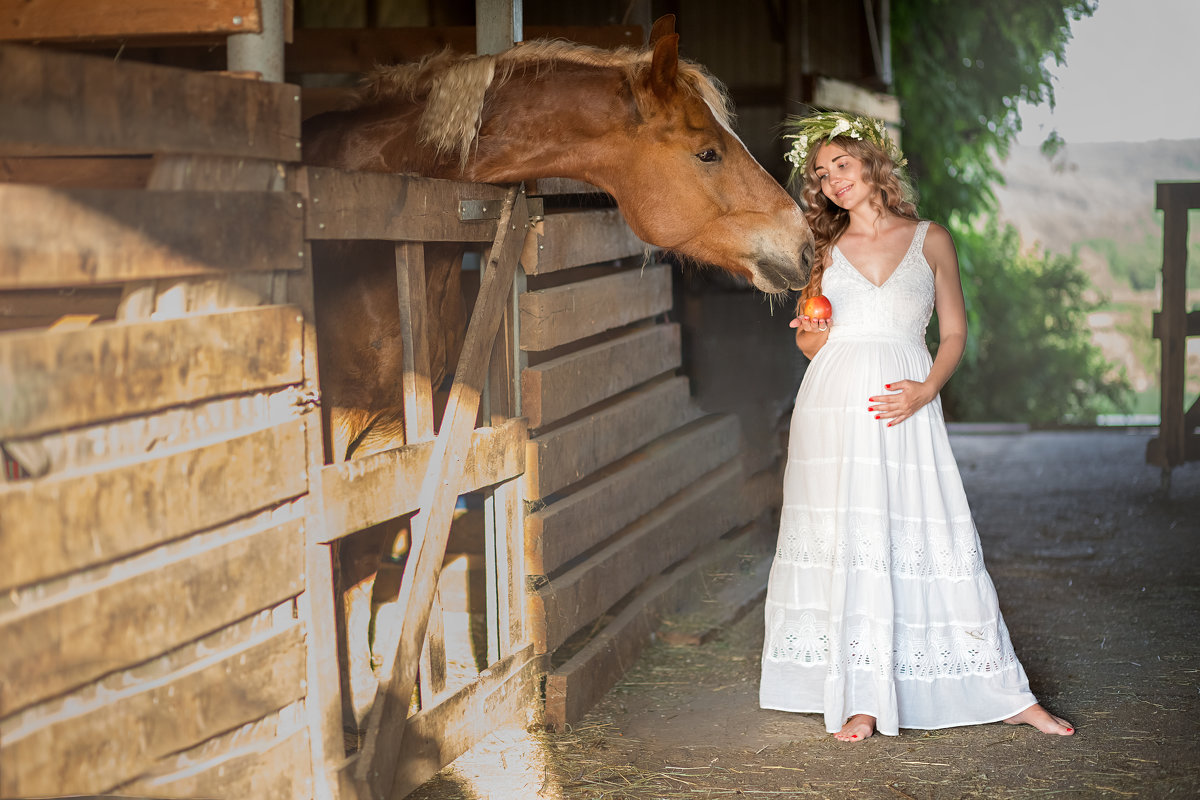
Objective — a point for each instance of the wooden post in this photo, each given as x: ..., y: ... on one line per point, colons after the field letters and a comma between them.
x: 317, y: 606
x: 439, y: 490
x: 414, y: 305
x: 1173, y: 327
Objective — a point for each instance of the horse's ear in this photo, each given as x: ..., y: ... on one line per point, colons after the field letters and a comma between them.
x: 663, y: 26
x: 664, y: 67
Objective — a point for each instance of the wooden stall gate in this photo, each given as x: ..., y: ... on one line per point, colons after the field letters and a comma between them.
x: 162, y: 588
x: 168, y: 599
x: 1178, y: 440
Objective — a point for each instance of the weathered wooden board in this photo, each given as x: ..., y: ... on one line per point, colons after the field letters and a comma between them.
x: 695, y: 516
x: 551, y: 317
x: 561, y: 386
x: 78, y: 173
x: 58, y: 380
x: 359, y: 49
x: 832, y: 93
x: 381, y: 486
x: 59, y: 524
x: 58, y: 646
x: 576, y: 238
x: 635, y: 485
x: 110, y: 742
x: 56, y: 103
x: 369, y: 205
x: 571, y: 452
x: 583, y: 680
x: 79, y: 237
x: 270, y: 771
x: 58, y: 20
x: 504, y: 695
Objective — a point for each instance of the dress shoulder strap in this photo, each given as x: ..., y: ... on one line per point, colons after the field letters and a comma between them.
x: 919, y: 237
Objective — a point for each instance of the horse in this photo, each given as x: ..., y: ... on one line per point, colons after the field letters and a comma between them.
x: 651, y: 129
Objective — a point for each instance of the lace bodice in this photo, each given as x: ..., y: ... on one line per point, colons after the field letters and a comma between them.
x: 898, y: 310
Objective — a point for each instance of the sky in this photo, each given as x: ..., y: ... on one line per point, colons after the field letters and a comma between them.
x: 1132, y: 74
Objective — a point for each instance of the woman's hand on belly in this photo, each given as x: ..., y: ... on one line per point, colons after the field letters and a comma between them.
x: 907, y: 398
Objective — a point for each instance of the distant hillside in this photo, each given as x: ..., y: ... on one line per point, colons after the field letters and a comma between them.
x: 1100, y: 199
x: 1091, y: 190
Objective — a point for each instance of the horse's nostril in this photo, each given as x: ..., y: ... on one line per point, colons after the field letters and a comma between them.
x: 806, y: 257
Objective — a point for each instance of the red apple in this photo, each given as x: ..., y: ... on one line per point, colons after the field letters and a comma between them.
x: 818, y: 307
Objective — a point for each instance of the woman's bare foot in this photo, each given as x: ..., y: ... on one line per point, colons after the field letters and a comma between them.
x: 1043, y: 720
x: 857, y: 728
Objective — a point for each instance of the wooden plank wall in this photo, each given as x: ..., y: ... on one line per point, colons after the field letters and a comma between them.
x: 628, y: 477
x: 158, y: 579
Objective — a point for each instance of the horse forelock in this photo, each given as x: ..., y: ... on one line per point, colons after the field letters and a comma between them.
x: 453, y: 85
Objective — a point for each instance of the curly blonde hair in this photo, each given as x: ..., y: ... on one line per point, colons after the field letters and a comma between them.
x: 829, y: 221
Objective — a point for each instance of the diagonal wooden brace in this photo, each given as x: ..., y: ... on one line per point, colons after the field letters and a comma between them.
x: 440, y: 488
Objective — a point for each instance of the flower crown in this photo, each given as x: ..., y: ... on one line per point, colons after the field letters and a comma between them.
x: 817, y: 129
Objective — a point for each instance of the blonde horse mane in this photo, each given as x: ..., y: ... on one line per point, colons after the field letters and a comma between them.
x: 454, y: 85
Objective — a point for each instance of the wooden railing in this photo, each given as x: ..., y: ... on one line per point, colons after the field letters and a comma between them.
x: 1177, y: 440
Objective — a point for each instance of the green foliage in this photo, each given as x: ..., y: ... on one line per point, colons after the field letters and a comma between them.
x: 1031, y: 358
x: 961, y: 69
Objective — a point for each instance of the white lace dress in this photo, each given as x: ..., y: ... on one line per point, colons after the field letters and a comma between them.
x: 878, y: 601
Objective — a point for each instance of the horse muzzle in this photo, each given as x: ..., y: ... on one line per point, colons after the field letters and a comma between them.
x: 774, y: 274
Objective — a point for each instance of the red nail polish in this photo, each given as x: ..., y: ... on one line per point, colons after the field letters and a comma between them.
x: 876, y: 416
x: 887, y: 386
x: 855, y: 736
x: 1070, y: 730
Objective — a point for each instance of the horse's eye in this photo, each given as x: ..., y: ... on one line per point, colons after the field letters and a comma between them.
x: 708, y: 156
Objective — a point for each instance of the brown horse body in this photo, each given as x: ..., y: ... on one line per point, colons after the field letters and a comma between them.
x: 651, y: 130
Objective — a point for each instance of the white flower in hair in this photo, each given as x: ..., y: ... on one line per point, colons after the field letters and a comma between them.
x: 841, y: 127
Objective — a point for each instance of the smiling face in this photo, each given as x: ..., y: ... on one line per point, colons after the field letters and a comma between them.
x: 841, y: 175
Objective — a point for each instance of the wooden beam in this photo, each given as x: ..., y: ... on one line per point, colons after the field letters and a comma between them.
x: 562, y: 314
x: 121, y: 172
x: 503, y: 696
x: 82, y: 237
x: 317, y: 606
x: 60, y: 645
x: 562, y: 386
x: 66, y: 20
x: 60, y: 380
x: 365, y: 491
x: 1174, y: 320
x: 1192, y: 327
x: 570, y: 453
x: 105, y: 742
x: 414, y: 333
x: 577, y: 238
x: 371, y: 205
x: 700, y: 513
x: 633, y: 486
x: 100, y: 515
x: 1176, y: 194
x: 59, y: 103
x: 439, y: 491
x: 334, y: 50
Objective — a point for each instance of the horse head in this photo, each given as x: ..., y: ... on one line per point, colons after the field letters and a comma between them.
x: 685, y: 181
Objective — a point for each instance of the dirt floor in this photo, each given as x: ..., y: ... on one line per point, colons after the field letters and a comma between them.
x: 1099, y: 580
